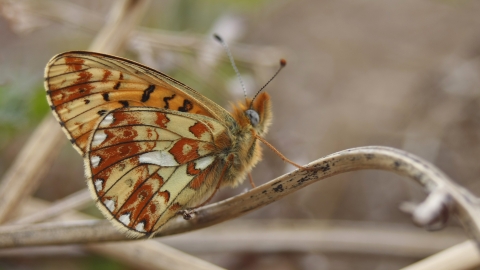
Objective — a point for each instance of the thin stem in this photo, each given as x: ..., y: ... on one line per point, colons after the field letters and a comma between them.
x: 374, y: 157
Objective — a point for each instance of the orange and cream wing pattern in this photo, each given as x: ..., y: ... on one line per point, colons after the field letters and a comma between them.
x: 151, y: 145
x: 145, y: 164
x: 83, y: 86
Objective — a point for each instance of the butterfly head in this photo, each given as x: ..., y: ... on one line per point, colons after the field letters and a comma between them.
x: 257, y: 116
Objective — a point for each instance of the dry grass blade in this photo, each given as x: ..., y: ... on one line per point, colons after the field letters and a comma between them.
x: 21, y: 180
x: 294, y: 235
x: 71, y: 202
x: 323, y: 236
x: 151, y: 255
x: 462, y: 256
x: 144, y: 251
x: 124, y: 17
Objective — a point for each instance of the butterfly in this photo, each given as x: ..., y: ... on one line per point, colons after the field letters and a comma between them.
x: 152, y: 146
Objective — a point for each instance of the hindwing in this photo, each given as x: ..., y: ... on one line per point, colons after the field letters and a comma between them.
x: 145, y: 164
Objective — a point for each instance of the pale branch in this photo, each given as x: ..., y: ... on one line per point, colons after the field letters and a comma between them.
x: 74, y: 201
x: 462, y: 203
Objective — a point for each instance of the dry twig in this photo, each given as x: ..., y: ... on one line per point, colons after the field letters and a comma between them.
x: 464, y: 204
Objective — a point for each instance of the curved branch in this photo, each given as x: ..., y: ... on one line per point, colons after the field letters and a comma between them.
x: 464, y: 204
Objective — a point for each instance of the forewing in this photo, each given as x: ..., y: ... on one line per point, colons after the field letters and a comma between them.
x: 83, y: 86
x: 146, y: 164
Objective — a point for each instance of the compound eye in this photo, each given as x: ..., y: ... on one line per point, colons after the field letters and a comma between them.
x: 253, y: 117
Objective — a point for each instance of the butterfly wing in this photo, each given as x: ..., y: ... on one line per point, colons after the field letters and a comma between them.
x: 83, y: 86
x: 145, y: 164
x: 151, y: 145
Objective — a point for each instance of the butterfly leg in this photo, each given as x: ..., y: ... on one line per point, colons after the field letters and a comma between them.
x: 187, y: 213
x: 284, y: 158
x: 251, y: 180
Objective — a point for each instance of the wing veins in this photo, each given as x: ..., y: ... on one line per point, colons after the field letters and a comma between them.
x: 132, y: 65
x: 141, y: 141
x: 102, y: 81
x: 154, y: 194
x: 65, y: 73
x: 134, y: 190
x: 161, y: 215
x: 116, y: 181
x: 138, y: 154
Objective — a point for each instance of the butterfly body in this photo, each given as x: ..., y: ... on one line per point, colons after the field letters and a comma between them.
x: 152, y: 146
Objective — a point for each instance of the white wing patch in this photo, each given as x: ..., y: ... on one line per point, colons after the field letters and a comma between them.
x: 98, y: 184
x: 140, y: 227
x: 110, y: 204
x: 204, y: 162
x: 160, y: 158
x: 95, y: 161
x: 108, y: 120
x: 98, y: 138
x: 125, y: 219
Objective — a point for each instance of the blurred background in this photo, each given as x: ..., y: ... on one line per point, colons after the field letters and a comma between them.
x: 403, y: 74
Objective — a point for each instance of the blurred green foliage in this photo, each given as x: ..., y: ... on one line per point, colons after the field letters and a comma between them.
x: 102, y: 263
x: 197, y: 15
x: 20, y: 109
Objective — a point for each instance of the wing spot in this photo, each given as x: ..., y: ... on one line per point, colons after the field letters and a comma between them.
x: 124, y: 103
x: 99, y: 184
x: 102, y: 112
x: 121, y: 167
x: 129, y: 182
x: 187, y: 106
x: 175, y: 207
x: 186, y: 149
x: 117, y: 86
x: 109, y: 204
x: 160, y: 158
x: 200, y: 131
x: 106, y: 74
x: 204, y: 162
x: 147, y: 92
x: 140, y: 227
x: 86, y: 101
x: 166, y: 100
x: 99, y: 138
x: 165, y: 195
x: 106, y: 97
x: 95, y: 160
x: 108, y: 120
x: 125, y: 219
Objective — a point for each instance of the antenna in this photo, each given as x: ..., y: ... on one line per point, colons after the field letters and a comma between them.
x: 224, y: 44
x: 283, y: 63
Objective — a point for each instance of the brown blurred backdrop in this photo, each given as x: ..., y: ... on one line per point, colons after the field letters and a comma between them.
x: 404, y: 74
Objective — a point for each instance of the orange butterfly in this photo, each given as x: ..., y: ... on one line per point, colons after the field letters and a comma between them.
x: 152, y: 146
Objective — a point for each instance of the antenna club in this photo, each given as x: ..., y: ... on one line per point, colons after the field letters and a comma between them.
x: 283, y: 62
x: 217, y: 37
